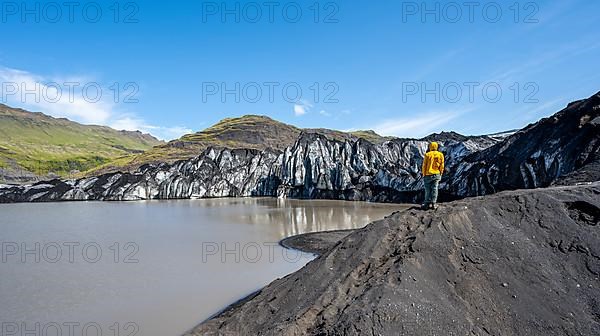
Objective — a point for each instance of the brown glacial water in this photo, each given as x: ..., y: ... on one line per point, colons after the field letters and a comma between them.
x: 150, y: 268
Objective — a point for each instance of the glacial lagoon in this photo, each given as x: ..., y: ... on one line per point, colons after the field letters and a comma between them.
x: 152, y: 267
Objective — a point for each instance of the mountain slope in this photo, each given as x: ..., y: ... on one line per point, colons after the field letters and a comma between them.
x: 516, y: 263
x: 36, y: 144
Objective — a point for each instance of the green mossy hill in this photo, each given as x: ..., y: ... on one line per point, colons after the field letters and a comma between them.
x: 32, y: 143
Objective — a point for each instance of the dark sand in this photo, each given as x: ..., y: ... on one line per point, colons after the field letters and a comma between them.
x: 524, y: 262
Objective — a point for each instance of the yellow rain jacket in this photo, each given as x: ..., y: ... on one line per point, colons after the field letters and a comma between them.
x: 434, y: 161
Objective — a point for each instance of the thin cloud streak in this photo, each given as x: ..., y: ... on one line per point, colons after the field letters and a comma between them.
x: 162, y: 133
x: 416, y: 126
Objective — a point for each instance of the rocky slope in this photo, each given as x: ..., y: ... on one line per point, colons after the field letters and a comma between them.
x: 516, y: 263
x: 535, y: 156
x: 320, y: 166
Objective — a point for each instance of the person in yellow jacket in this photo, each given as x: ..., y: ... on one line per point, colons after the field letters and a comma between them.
x: 433, y: 168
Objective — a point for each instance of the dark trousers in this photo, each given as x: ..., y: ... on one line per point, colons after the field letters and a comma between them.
x: 431, y: 188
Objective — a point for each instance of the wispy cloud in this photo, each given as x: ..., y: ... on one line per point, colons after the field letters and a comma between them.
x: 301, y: 108
x: 163, y: 133
x: 39, y: 93
x: 62, y: 98
x: 418, y: 125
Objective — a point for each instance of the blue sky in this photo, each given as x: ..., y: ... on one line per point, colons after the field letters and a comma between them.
x: 369, y: 61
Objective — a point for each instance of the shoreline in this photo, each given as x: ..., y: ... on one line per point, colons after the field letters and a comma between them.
x: 400, y: 267
x: 125, y: 200
x: 316, y: 243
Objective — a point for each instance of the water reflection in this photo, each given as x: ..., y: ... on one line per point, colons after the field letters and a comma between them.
x: 292, y: 217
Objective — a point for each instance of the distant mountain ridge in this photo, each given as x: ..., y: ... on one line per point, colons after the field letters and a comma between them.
x: 34, y: 145
x: 248, y: 132
x: 564, y: 147
x: 252, y: 132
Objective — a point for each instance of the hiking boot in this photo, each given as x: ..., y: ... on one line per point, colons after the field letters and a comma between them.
x: 433, y: 207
